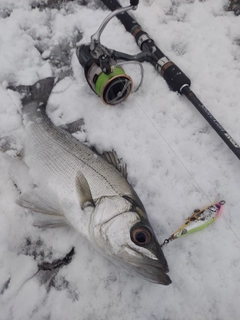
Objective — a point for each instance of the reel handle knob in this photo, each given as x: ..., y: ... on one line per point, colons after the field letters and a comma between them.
x: 134, y: 3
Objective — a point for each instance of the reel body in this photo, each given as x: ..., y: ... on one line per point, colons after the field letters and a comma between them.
x: 108, y: 80
x: 103, y: 67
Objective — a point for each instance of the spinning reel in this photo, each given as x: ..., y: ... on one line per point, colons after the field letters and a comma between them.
x: 103, y: 67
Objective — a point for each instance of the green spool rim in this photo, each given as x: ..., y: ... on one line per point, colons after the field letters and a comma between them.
x: 104, y: 78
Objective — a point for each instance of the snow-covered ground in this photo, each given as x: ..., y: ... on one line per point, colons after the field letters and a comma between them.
x: 176, y: 163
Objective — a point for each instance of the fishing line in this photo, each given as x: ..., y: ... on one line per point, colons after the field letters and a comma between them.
x: 163, y: 138
x: 184, y: 166
x: 199, y: 187
x: 99, y: 63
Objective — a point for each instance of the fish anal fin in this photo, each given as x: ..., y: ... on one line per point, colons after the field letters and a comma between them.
x: 112, y: 158
x: 83, y: 191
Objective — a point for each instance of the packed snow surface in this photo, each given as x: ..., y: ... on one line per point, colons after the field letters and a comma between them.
x: 176, y: 162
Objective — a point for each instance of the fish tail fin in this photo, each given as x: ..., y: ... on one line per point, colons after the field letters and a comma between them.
x: 40, y: 91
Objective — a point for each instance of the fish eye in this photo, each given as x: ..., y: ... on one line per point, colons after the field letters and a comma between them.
x: 141, y: 236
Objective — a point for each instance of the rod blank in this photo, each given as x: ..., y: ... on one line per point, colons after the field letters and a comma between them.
x: 176, y: 79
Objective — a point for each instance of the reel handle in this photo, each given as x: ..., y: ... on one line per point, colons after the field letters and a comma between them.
x: 96, y: 48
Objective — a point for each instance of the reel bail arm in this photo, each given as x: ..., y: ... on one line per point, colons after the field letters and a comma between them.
x: 95, y: 45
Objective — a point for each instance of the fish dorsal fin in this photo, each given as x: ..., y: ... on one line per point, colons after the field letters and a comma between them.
x: 73, y: 126
x: 84, y: 192
x: 112, y: 158
x: 14, y: 142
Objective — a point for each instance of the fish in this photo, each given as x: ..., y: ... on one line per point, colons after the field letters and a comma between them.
x: 78, y: 187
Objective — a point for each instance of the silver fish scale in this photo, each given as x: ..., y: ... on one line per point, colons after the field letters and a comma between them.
x: 57, y: 158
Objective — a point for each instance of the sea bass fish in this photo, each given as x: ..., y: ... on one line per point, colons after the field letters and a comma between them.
x: 90, y: 192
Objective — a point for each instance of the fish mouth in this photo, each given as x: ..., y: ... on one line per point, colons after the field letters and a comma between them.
x: 153, y: 273
x: 149, y: 269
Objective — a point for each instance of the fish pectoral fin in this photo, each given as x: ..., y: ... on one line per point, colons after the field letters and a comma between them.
x: 46, y: 220
x: 112, y: 158
x: 47, y: 214
x: 37, y: 204
x: 84, y: 192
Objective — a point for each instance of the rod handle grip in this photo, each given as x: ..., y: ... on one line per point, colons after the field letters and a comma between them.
x: 174, y: 77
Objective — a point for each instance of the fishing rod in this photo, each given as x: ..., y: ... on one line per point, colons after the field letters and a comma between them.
x: 105, y: 75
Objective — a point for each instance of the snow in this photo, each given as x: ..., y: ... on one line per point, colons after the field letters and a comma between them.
x: 176, y: 163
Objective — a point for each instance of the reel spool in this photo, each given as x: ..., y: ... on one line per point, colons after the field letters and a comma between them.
x: 112, y: 88
x: 103, y: 67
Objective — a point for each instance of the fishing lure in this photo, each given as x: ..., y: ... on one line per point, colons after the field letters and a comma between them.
x: 199, y: 220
